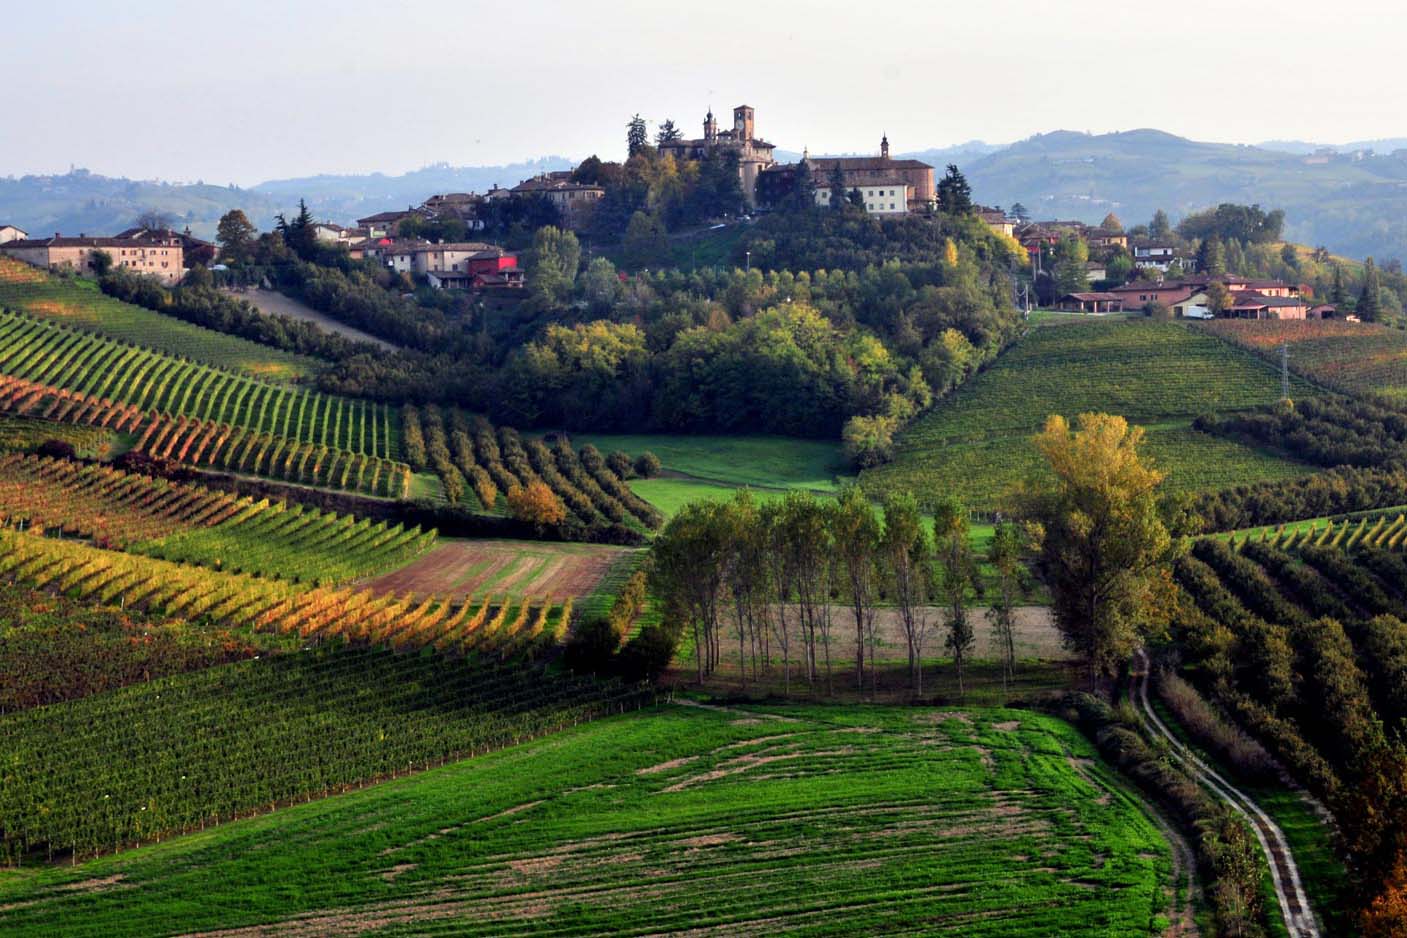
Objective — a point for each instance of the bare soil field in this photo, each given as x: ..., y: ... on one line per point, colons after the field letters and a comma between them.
x: 498, y: 568
x: 275, y: 303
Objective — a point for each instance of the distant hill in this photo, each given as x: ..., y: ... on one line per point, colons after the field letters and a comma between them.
x: 1354, y: 206
x: 1352, y: 201
x: 84, y: 202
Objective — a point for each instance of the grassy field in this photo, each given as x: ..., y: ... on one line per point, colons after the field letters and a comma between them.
x: 823, y: 821
x: 1357, y: 357
x: 79, y: 303
x: 977, y: 443
x: 760, y: 461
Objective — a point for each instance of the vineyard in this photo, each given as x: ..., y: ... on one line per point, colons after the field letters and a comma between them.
x: 215, y: 445
x: 191, y: 750
x: 71, y: 360
x: 977, y: 442
x: 479, y: 464
x: 1301, y: 637
x: 793, y: 820
x: 1355, y: 357
x: 500, y: 629
x: 79, y: 303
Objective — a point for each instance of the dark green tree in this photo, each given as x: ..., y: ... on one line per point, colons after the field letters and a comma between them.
x: 1211, y: 256
x: 1019, y: 212
x: 236, y: 236
x: 954, y: 193
x: 837, y: 184
x: 1370, y: 302
x: 667, y: 133
x: 1159, y: 228
x: 637, y: 138
x: 1338, y: 295
x: 804, y: 189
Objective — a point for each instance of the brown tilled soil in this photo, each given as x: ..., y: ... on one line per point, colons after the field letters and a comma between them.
x: 462, y: 568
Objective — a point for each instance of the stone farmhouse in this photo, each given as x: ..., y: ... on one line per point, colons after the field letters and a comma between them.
x: 1247, y: 298
x: 160, y: 256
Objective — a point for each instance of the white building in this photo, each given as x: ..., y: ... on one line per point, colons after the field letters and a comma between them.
x: 12, y: 233
x: 886, y: 198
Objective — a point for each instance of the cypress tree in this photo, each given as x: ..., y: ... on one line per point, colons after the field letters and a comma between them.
x: 1370, y: 304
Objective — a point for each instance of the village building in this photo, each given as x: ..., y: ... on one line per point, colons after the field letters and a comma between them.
x: 159, y: 257
x: 1091, y: 303
x: 385, y: 224
x: 461, y: 264
x: 886, y: 186
x: 12, y: 233
x: 754, y: 154
x: 573, y: 200
x: 1251, y: 304
x: 997, y: 220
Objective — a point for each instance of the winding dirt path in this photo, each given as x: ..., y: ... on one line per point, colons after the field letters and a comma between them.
x: 1294, y: 905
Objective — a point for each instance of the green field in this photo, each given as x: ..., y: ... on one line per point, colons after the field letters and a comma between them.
x: 79, y: 303
x: 977, y: 443
x: 778, y: 462
x: 823, y: 821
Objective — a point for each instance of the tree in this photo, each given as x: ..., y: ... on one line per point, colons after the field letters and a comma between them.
x: 1290, y: 257
x: 637, y: 138
x: 957, y: 576
x: 667, y: 133
x: 907, y: 556
x: 1104, y: 545
x: 236, y: 236
x: 803, y: 187
x: 837, y: 186
x: 1211, y: 256
x: 954, y: 193
x: 1111, y: 223
x: 687, y: 573
x: 1218, y: 298
x: 868, y: 441
x: 536, y: 504
x: 551, y: 266
x: 1370, y: 302
x: 1004, y: 555
x: 1071, y: 276
x: 101, y: 261
x: 299, y: 234
x: 1159, y: 229
x: 1338, y: 295
x: 857, y: 530
x: 1019, y: 212
x: 645, y: 242
x: 154, y: 220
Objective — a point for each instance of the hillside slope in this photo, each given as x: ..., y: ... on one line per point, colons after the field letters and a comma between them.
x: 1161, y: 375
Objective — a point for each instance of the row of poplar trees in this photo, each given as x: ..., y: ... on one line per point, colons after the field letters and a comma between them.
x: 781, y: 579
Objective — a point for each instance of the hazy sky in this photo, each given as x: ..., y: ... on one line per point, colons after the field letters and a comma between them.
x: 246, y: 91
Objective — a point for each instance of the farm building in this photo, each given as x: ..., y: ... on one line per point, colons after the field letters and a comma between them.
x: 1091, y: 303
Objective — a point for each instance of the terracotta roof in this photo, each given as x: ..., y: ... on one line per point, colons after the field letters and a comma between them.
x: 1094, y: 297
x: 60, y: 241
x: 1249, y: 299
x: 386, y: 216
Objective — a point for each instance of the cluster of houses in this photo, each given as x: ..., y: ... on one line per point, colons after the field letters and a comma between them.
x: 1192, y: 297
x: 154, y: 252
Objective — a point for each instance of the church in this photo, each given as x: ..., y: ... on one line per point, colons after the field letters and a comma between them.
x: 754, y: 155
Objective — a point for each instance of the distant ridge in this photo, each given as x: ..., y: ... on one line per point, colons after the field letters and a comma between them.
x: 1349, y: 201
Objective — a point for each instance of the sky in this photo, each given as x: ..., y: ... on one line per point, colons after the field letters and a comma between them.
x: 253, y: 90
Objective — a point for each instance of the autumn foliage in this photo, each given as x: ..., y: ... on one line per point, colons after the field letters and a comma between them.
x: 537, y: 504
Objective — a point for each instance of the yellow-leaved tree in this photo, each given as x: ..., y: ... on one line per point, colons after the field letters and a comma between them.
x: 1105, y: 548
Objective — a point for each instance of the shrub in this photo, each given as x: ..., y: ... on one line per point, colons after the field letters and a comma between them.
x: 619, y: 463
x: 56, y: 449
x: 1210, y: 729
x: 536, y: 504
x: 647, y: 465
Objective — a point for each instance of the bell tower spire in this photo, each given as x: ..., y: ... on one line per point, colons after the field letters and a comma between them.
x: 884, y: 147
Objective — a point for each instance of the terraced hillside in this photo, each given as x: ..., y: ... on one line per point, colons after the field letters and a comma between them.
x: 80, y: 304
x: 814, y: 820
x: 1161, y: 375
x: 1356, y: 357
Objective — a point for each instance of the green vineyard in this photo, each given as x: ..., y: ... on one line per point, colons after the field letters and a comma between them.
x: 191, y: 524
x: 67, y: 359
x: 1161, y: 375
x: 79, y: 303
x: 220, y: 446
x: 191, y: 750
